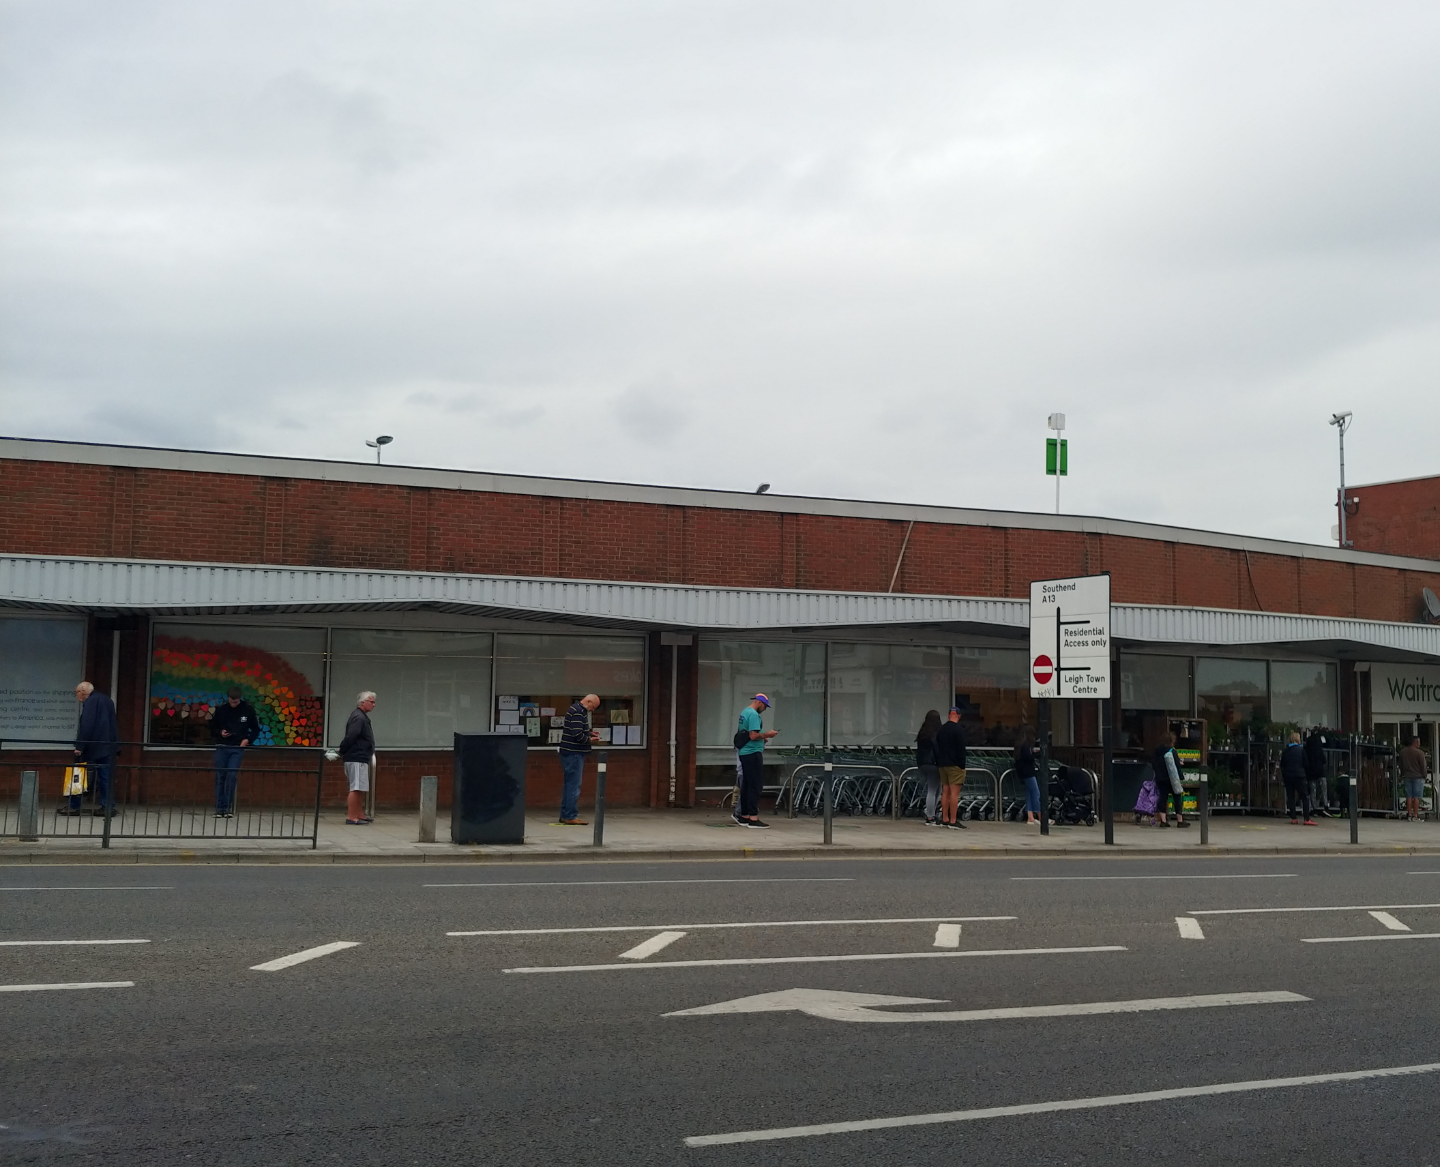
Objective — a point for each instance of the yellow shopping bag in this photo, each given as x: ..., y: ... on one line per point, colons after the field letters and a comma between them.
x: 76, y: 781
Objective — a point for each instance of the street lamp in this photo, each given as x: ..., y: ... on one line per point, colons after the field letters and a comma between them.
x: 1341, y: 422
x: 762, y: 488
x: 382, y: 440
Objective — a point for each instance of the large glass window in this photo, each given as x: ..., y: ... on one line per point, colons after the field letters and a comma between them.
x: 41, y: 662
x: 428, y: 685
x: 280, y: 671
x: 1153, y: 691
x: 791, y: 674
x: 1304, y: 692
x: 537, y: 678
x: 1232, y: 693
x: 992, y: 692
x: 879, y: 693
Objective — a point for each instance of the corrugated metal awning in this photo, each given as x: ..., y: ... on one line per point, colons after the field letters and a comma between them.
x: 156, y: 588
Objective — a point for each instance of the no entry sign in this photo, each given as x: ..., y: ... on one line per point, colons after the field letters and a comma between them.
x: 1070, y: 637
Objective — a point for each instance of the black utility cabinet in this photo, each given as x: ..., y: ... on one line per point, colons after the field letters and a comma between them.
x: 488, y: 804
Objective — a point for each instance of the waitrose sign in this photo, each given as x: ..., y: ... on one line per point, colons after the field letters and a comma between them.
x: 1404, y: 689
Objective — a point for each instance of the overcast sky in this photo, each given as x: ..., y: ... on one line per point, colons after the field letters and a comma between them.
x: 856, y: 249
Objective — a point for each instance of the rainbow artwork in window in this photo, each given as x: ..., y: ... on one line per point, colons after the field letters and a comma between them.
x: 189, y: 679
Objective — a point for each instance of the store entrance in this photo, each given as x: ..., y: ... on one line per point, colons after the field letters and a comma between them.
x: 1398, y: 733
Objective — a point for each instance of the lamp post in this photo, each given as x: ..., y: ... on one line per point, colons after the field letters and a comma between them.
x: 382, y: 440
x: 1341, y: 422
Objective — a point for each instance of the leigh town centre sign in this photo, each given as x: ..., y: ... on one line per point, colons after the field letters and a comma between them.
x: 1070, y: 637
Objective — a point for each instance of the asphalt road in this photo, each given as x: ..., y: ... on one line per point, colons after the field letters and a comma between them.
x: 416, y: 1046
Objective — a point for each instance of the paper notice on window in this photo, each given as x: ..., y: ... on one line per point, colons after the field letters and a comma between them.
x: 532, y: 727
x: 604, y: 734
x: 619, y: 717
x: 507, y: 702
x: 555, y: 736
x: 557, y: 723
x: 546, y: 711
x: 633, y: 737
x: 509, y: 717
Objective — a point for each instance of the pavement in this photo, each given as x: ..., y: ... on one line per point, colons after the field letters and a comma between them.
x: 710, y: 833
x: 1015, y: 1010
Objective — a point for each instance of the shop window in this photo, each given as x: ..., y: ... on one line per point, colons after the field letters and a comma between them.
x: 879, y: 693
x: 1306, y: 693
x: 428, y: 685
x: 791, y: 674
x: 1233, y: 696
x: 992, y: 692
x: 280, y: 671
x: 1154, y: 690
x: 538, y: 677
x: 41, y: 662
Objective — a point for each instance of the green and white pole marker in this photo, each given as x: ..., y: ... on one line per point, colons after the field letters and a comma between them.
x: 1057, y: 454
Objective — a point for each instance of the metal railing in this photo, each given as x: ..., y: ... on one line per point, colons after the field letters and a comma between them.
x: 158, y: 800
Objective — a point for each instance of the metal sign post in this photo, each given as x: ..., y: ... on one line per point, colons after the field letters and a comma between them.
x: 1070, y: 657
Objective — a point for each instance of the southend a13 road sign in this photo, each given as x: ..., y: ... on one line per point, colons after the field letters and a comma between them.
x: 1070, y: 637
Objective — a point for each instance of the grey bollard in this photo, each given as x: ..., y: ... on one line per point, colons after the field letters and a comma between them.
x: 30, y: 807
x: 829, y: 800
x: 429, y: 795
x: 1354, y: 811
x: 1204, y: 799
x: 600, y: 767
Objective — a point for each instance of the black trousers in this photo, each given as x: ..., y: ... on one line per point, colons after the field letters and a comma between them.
x: 752, y: 778
x: 1167, y: 796
x: 1297, y: 797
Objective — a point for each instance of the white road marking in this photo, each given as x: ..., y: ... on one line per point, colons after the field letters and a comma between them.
x: 42, y: 944
x: 1342, y: 908
x: 123, y: 887
x: 1189, y: 929
x: 1390, y: 922
x: 566, y: 968
x: 634, y: 882
x: 1092, y: 878
x: 1424, y: 873
x: 746, y: 924
x: 1384, y: 936
x: 301, y: 957
x: 947, y: 936
x: 70, y: 985
x: 652, y: 946
x: 876, y: 1124
x: 837, y: 1006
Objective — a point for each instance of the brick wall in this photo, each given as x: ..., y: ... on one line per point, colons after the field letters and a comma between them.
x: 1398, y: 518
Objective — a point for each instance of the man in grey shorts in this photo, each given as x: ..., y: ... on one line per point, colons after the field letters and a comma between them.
x: 356, y: 749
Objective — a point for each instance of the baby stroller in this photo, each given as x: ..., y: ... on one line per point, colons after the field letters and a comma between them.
x: 1076, y: 793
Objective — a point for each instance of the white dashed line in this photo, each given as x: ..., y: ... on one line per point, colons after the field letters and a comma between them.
x: 301, y: 957
x: 1342, y: 908
x: 70, y: 985
x: 644, y: 882
x: 1390, y: 922
x: 52, y: 943
x: 747, y: 924
x: 947, y: 936
x: 1362, y: 939
x: 1189, y: 929
x: 571, y: 968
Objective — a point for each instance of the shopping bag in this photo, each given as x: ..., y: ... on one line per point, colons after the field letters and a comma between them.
x: 76, y: 781
x: 1149, y: 798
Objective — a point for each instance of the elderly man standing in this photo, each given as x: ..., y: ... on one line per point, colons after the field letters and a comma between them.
x: 96, y: 742
x: 575, y: 742
x: 356, y: 749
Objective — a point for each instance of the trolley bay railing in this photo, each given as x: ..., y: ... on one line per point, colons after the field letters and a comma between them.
x: 277, y: 795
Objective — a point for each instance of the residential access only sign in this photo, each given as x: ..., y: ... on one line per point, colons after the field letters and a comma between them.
x: 1070, y: 637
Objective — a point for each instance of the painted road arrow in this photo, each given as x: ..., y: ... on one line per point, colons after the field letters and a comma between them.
x: 837, y: 1006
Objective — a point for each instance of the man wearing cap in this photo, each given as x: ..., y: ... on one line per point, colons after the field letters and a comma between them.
x: 233, y: 726
x: 950, y: 757
x: 750, y: 739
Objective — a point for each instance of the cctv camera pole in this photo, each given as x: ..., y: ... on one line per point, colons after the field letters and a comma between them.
x: 1341, y: 421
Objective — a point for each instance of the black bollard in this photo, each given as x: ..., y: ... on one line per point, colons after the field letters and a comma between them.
x: 600, y: 798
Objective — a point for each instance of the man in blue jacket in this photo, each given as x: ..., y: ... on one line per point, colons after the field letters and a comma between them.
x: 96, y: 743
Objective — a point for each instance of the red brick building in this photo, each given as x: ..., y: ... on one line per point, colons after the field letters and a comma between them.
x: 471, y: 601
x: 1397, y: 518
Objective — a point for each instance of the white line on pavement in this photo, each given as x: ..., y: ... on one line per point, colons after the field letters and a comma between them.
x: 1064, y: 878
x: 1390, y: 922
x: 1384, y: 936
x: 745, y: 924
x: 1189, y: 929
x: 1425, y: 873
x: 876, y: 1124
x: 71, y: 985
x: 652, y: 946
x: 633, y: 882
x: 1342, y: 908
x: 566, y: 968
x: 48, y: 943
x: 121, y: 887
x: 947, y: 936
x: 300, y: 957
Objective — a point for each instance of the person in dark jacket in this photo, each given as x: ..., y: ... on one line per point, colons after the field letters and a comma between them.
x: 1025, y: 768
x: 927, y: 765
x: 950, y: 757
x: 575, y: 741
x: 356, y: 749
x: 1292, y: 772
x: 96, y: 743
x: 1315, y: 770
x: 1166, y: 764
x: 233, y: 727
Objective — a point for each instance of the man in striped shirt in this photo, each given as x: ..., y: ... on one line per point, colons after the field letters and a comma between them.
x: 575, y: 742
